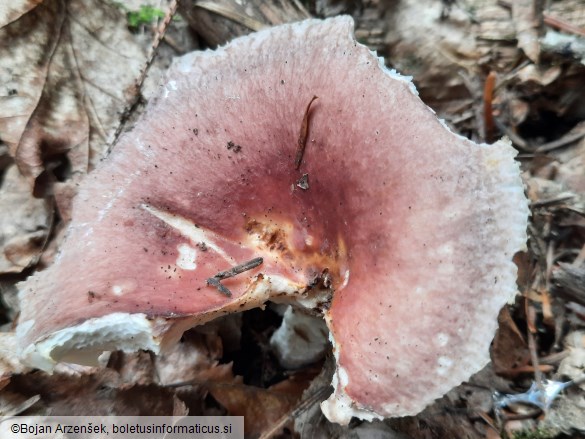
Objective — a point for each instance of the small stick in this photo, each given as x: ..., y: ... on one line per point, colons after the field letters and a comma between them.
x: 239, y: 269
x: 563, y: 25
x: 531, y: 330
x: 559, y: 143
x: 234, y: 271
x: 214, y: 282
x: 488, y: 97
x: 302, y: 142
x: 518, y: 141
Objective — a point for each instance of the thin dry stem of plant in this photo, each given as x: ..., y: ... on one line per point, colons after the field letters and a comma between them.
x: 160, y: 34
x: 488, y: 112
x: 518, y: 141
x: 531, y: 329
x: 562, y: 25
x: 563, y: 141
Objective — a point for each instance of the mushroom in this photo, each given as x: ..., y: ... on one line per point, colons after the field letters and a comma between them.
x: 403, y: 239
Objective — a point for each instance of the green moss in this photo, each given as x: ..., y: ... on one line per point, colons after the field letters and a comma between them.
x: 145, y: 15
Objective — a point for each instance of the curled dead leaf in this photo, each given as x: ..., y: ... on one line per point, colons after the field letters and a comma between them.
x: 527, y: 21
x: 186, y: 360
x: 14, y: 9
x: 24, y: 223
x: 63, y: 86
x: 260, y: 407
x: 509, y: 349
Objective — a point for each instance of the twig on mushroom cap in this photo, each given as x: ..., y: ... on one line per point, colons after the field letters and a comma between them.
x: 234, y: 271
x: 302, y: 142
x: 214, y: 282
x: 239, y: 268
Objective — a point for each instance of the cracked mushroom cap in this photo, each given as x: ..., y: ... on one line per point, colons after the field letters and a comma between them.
x: 414, y: 227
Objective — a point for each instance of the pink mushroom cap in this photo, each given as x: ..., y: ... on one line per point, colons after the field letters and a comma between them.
x: 414, y: 227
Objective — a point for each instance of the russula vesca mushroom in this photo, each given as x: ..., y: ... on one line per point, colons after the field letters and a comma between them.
x: 410, y: 227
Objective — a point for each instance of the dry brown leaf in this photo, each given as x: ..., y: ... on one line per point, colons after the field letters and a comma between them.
x: 93, y: 392
x: 509, y: 349
x: 24, y: 223
x: 570, y: 11
x: 539, y: 75
x: 560, y: 178
x: 5, y: 159
x: 64, y: 193
x: 222, y: 373
x: 14, y: 9
x: 52, y: 249
x: 570, y: 282
x: 527, y: 20
x: 571, y: 170
x: 260, y: 407
x: 12, y: 404
x: 524, y: 263
x: 180, y: 409
x: 135, y: 368
x: 566, y: 415
x: 573, y: 366
x: 494, y: 21
x: 432, y: 50
x: 187, y: 359
x: 543, y: 192
x: 69, y: 69
x: 567, y: 412
x: 80, y: 394
x: 219, y: 21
